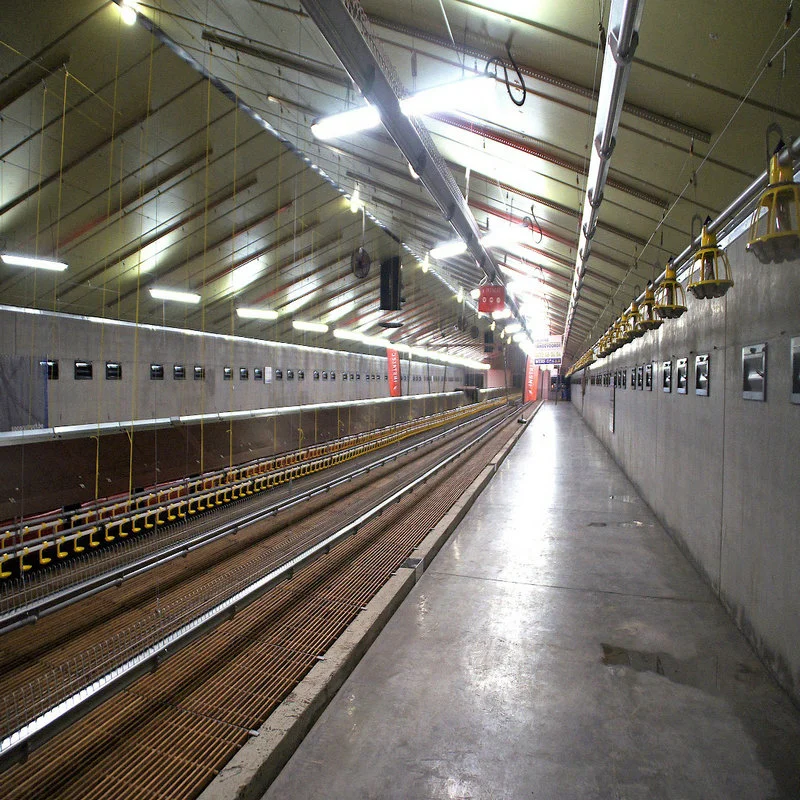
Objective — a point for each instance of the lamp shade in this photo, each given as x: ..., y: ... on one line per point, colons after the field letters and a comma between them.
x: 711, y: 269
x: 670, y: 297
x: 775, y: 228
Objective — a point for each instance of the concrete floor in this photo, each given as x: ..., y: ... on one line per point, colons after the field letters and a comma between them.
x: 560, y: 646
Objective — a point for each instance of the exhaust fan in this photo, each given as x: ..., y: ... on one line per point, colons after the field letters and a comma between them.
x: 361, y: 263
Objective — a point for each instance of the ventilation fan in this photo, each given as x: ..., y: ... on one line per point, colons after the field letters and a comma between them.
x: 361, y: 263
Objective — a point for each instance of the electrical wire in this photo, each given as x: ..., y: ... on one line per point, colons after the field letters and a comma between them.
x: 499, y: 62
x: 722, y: 133
x: 690, y: 182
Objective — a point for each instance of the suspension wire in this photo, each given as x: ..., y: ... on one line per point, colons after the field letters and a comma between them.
x: 60, y: 183
x: 205, y: 246
x: 762, y: 65
x: 233, y: 250
x: 112, y: 142
x: 34, y: 320
x: 143, y: 151
x: 722, y: 133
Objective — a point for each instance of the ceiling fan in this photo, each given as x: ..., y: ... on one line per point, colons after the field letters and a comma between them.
x: 361, y: 263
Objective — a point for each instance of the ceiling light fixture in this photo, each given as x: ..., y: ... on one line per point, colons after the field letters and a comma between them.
x: 449, y: 250
x: 313, y: 327
x: 502, y: 238
x: 128, y: 11
x: 355, y: 201
x: 440, y: 98
x: 178, y: 297
x: 350, y: 336
x: 36, y: 263
x: 257, y: 313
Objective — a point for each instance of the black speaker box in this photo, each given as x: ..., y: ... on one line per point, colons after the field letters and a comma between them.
x: 390, y: 284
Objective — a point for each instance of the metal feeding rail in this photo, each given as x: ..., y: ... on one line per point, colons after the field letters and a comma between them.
x: 34, y: 600
x: 51, y: 703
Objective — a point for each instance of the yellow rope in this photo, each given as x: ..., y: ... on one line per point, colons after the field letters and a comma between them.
x: 60, y: 183
x: 205, y: 253
x: 143, y: 150
x: 233, y: 252
x: 105, y: 265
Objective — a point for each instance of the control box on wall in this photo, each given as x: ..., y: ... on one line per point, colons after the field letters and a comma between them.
x: 754, y: 372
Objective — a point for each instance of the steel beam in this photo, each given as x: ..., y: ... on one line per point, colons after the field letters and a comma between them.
x: 344, y: 27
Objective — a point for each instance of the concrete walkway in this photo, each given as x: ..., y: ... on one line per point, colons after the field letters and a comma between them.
x: 559, y: 647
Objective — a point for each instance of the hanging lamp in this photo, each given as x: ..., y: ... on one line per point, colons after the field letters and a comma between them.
x: 617, y: 335
x: 635, y: 319
x: 775, y: 228
x: 648, y: 318
x: 670, y: 297
x: 626, y: 334
x: 711, y: 270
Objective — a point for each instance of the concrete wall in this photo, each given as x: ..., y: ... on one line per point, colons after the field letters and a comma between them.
x: 67, y: 338
x: 722, y: 472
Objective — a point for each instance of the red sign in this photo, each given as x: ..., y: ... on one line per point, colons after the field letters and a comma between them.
x: 492, y: 298
x: 531, y: 381
x: 395, y: 380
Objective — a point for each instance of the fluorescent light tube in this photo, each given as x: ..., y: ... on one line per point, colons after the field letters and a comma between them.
x: 449, y: 250
x: 313, y: 327
x: 461, y: 94
x: 466, y: 93
x: 178, y: 297
x: 128, y: 11
x: 350, y: 336
x: 257, y: 313
x: 346, y: 123
x: 36, y: 263
x: 355, y: 201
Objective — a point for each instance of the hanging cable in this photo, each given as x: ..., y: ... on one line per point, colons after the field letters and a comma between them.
x: 530, y: 222
x: 499, y: 62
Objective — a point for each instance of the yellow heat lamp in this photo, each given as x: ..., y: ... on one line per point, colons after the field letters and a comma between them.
x: 775, y: 228
x: 648, y: 318
x: 603, y: 345
x: 626, y: 334
x: 711, y: 270
x: 615, y: 340
x: 670, y: 297
x: 635, y: 320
